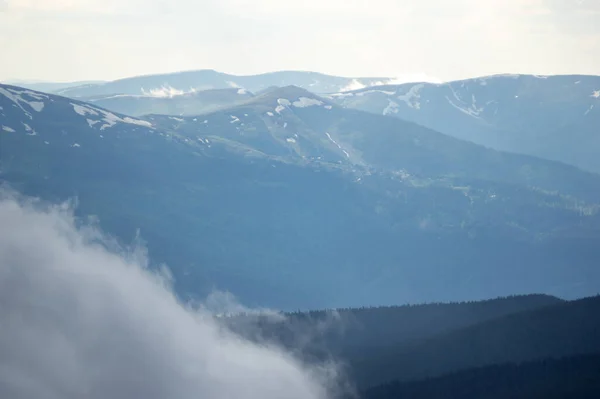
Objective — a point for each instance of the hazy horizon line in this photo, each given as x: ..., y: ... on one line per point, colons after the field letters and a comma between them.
x: 425, y: 77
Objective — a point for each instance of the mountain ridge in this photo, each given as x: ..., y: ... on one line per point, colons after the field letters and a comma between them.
x: 397, y: 238
x: 553, y: 117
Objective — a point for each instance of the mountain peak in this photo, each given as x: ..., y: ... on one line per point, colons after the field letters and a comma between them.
x: 290, y: 91
x: 289, y: 96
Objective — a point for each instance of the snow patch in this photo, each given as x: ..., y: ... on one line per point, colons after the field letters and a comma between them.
x: 166, y: 91
x: 283, y: 103
x: 304, y: 102
x: 290, y: 140
x: 367, y: 92
x: 76, y: 145
x: 82, y: 110
x: 328, y: 107
x: 138, y: 122
x: 392, y: 108
x: 234, y: 85
x: 354, y: 84
x: 21, y: 97
x: 471, y: 110
x: 596, y: 94
x: 32, y: 94
x: 45, y: 142
x: 270, y: 113
x: 109, y: 118
x: 242, y: 91
x: 234, y: 119
x: 589, y: 109
x: 8, y: 129
x: 339, y: 146
x: 37, y: 105
x: 412, y: 96
x: 176, y: 118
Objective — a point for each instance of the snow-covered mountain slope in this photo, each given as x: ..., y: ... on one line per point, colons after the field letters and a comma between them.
x: 185, y: 82
x: 408, y: 214
x: 32, y: 113
x: 554, y: 117
x: 292, y: 123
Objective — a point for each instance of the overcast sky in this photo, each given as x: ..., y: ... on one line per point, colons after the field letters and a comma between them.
x: 66, y: 40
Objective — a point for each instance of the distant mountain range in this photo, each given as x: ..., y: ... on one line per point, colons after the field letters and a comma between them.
x: 290, y: 201
x: 191, y: 81
x: 192, y: 103
x: 338, y: 201
x: 50, y: 86
x: 292, y: 122
x: 553, y: 117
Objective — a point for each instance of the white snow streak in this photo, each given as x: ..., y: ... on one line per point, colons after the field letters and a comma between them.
x: 108, y: 118
x: 392, y: 108
x: 339, y: 146
x: 303, y: 102
x: 412, y: 96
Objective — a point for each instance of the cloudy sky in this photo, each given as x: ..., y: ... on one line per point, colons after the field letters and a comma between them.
x: 66, y: 40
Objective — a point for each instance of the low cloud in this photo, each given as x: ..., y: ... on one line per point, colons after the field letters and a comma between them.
x: 166, y: 91
x: 82, y: 321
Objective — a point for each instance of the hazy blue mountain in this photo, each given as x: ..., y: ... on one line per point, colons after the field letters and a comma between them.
x: 291, y: 122
x: 193, y: 103
x: 51, y: 86
x: 554, y: 117
x: 183, y: 82
x: 282, y: 231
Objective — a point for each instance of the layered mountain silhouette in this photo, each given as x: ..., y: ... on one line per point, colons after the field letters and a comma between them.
x: 290, y: 201
x: 413, y: 343
x: 171, y: 103
x: 554, y: 117
x: 209, y: 79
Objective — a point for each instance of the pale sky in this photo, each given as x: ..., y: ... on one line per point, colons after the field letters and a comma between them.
x: 68, y: 40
